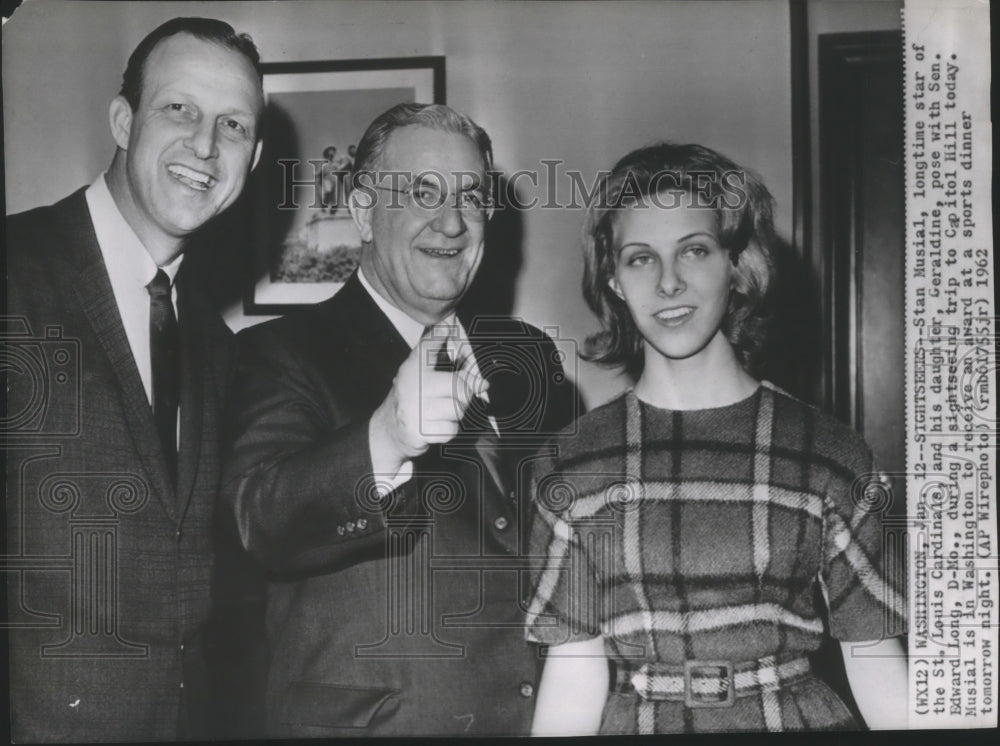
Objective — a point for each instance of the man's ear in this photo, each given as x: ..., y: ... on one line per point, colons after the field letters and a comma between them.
x: 256, y: 154
x: 615, y: 287
x: 360, y: 204
x: 120, y: 118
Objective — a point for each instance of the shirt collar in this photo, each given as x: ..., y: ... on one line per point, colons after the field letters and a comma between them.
x: 124, y: 254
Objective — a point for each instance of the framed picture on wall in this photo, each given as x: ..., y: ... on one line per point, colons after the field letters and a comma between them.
x: 305, y: 244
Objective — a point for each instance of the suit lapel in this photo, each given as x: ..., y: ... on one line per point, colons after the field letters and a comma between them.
x: 488, y: 444
x: 376, y: 349
x: 490, y: 450
x: 92, y: 288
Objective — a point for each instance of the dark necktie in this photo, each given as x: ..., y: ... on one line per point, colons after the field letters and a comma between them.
x: 164, y: 349
x: 476, y: 417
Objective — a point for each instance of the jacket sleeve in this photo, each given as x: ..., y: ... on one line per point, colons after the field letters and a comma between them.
x: 298, y: 472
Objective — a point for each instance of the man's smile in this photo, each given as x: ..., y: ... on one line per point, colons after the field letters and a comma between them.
x: 191, y: 178
x: 440, y: 253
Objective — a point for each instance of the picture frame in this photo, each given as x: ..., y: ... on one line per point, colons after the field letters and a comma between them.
x: 304, y: 242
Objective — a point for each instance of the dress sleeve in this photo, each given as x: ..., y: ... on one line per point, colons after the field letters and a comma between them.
x: 565, y: 597
x: 862, y: 572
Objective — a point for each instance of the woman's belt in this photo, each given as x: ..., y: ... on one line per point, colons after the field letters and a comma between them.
x: 708, y: 683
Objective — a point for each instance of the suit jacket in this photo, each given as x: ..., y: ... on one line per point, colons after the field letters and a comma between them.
x: 108, y: 563
x: 401, y: 616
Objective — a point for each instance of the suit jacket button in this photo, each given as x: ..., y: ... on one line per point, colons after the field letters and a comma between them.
x: 362, y: 524
x: 500, y: 523
x: 349, y: 526
x: 527, y: 690
x: 340, y: 530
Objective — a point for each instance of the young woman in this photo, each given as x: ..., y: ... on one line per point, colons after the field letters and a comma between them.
x: 704, y: 530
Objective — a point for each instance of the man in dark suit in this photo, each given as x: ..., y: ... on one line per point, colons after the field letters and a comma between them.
x: 378, y: 441
x: 120, y: 369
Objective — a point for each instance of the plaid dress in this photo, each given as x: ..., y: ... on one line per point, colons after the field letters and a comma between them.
x: 712, y: 535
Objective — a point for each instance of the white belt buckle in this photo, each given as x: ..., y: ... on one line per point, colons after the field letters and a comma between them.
x: 723, y: 670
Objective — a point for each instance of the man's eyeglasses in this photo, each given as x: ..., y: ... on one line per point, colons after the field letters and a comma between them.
x: 428, y: 200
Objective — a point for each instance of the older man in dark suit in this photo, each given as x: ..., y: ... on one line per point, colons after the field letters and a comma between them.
x: 378, y: 441
x: 118, y: 376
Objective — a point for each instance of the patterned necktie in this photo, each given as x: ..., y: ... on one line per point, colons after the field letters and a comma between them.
x: 164, y: 347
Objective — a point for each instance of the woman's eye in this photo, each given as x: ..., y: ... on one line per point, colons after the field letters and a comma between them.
x: 639, y: 260
x: 696, y: 250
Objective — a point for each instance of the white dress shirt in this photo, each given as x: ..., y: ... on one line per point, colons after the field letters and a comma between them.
x: 412, y: 331
x: 130, y: 269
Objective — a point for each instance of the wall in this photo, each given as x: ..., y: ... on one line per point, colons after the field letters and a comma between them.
x: 873, y: 402
x: 582, y: 82
x: 838, y: 17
